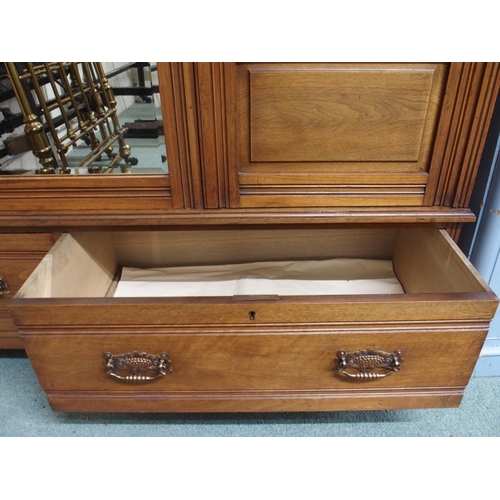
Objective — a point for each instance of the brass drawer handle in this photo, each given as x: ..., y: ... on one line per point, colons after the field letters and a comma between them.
x: 4, y: 288
x: 140, y: 366
x: 370, y: 364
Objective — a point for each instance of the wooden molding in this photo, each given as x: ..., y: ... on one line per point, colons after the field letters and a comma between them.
x: 178, y: 96
x: 58, y: 195
x: 240, y: 216
x: 215, y: 85
x: 467, y: 109
x: 248, y: 401
x: 482, y: 118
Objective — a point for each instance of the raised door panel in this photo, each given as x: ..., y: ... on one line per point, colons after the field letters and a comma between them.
x: 336, y: 134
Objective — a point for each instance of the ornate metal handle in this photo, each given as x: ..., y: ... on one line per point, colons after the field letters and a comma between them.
x: 4, y: 288
x: 141, y: 367
x: 370, y: 364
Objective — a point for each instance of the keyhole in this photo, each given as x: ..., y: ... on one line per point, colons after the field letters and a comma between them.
x: 252, y: 314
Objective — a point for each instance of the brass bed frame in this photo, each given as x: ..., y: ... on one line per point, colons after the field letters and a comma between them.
x: 63, y: 104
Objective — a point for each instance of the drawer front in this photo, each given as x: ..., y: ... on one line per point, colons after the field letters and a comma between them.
x: 258, y: 361
x: 21, y: 243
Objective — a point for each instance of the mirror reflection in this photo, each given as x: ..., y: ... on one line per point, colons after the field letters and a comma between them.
x: 81, y: 118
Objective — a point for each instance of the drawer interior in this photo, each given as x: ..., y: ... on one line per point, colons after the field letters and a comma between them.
x: 89, y: 264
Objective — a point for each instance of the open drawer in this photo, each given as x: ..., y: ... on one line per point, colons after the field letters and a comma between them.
x: 94, y: 351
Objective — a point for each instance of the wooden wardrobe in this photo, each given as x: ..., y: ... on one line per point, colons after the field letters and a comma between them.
x: 267, y: 162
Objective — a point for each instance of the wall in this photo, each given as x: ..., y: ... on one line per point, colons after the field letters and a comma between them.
x: 481, y: 241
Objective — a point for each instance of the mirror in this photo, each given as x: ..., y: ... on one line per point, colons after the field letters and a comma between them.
x: 81, y: 119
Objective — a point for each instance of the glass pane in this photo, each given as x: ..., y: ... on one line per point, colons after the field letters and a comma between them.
x: 81, y: 119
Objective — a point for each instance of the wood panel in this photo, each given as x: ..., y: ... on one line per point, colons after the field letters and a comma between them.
x: 81, y: 267
x: 18, y: 244
x: 223, y: 246
x: 336, y: 134
x: 41, y: 314
x: 341, y: 113
x: 430, y: 262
